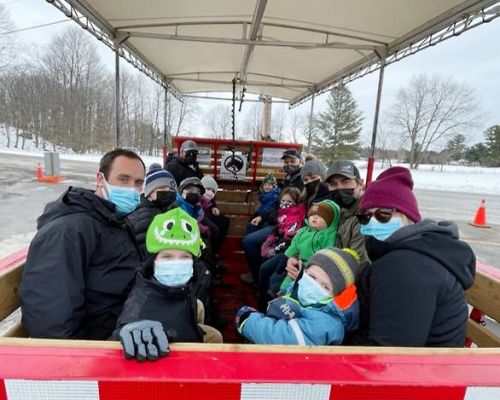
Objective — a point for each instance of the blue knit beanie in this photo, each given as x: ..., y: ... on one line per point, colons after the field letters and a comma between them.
x: 157, y: 178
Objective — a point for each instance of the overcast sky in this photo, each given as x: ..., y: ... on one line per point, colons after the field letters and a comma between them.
x: 472, y: 58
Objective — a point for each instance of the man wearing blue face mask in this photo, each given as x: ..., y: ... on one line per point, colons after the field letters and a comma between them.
x: 413, y: 292
x: 162, y: 307
x: 82, y: 261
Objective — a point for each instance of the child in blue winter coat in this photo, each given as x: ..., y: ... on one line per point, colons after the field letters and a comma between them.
x: 269, y: 193
x: 319, y: 307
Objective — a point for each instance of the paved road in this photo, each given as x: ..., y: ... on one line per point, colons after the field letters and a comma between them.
x: 23, y: 199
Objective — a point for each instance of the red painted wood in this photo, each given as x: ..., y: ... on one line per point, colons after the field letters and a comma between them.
x: 165, y: 390
x: 3, y: 393
x: 396, y: 393
x: 232, y: 367
x: 13, y: 259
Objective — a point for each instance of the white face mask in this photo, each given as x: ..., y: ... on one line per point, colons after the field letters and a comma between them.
x: 310, y: 291
x: 173, y: 273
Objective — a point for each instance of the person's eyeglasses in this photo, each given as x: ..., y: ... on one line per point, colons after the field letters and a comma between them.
x: 382, y: 215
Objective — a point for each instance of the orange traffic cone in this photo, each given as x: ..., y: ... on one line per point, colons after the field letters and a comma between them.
x: 39, y: 172
x: 480, y: 218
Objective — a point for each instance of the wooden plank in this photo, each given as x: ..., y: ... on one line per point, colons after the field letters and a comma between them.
x: 485, y: 295
x: 10, y: 281
x: 481, y: 336
x: 233, y: 208
x: 253, y: 348
x: 237, y: 225
x: 233, y: 196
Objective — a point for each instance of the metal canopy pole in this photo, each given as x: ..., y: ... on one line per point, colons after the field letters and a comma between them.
x: 117, y: 96
x: 165, y: 126
x: 371, y: 159
x: 234, y: 107
x: 310, y: 123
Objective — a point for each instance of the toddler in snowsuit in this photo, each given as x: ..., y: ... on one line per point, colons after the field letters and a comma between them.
x: 317, y: 309
x: 320, y: 232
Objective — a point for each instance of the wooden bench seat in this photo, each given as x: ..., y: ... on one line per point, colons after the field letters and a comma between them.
x: 484, y: 296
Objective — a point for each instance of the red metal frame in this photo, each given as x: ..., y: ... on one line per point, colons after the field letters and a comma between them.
x: 256, y: 145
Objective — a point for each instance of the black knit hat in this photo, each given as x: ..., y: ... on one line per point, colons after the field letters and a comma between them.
x: 191, y: 181
x: 341, y: 266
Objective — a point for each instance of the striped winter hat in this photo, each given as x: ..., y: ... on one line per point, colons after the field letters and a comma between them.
x: 341, y: 266
x: 157, y: 178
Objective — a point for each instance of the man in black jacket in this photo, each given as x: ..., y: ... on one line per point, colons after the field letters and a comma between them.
x: 292, y: 165
x: 82, y: 261
x: 185, y: 165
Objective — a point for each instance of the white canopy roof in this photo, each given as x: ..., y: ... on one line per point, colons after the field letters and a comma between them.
x: 280, y: 48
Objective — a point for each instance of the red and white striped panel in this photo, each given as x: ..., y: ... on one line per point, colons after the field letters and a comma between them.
x: 71, y: 373
x: 93, y: 390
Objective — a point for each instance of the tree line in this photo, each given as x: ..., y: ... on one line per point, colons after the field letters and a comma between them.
x: 64, y: 95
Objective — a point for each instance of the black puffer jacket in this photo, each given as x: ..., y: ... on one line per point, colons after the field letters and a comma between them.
x: 174, y: 307
x: 182, y: 170
x: 413, y: 292
x: 142, y: 217
x: 80, y: 268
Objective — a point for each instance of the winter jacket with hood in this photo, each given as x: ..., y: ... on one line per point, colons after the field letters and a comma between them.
x: 174, y: 307
x: 413, y: 292
x: 308, y: 240
x: 79, y: 270
x: 289, y: 322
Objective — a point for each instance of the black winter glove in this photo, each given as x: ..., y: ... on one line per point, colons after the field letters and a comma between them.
x: 144, y: 340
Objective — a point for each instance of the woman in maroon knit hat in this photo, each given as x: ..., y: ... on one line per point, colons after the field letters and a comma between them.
x: 413, y: 292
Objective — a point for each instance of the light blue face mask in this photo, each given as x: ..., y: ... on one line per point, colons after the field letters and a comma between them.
x: 173, y: 272
x: 379, y: 230
x: 125, y: 199
x: 311, y: 292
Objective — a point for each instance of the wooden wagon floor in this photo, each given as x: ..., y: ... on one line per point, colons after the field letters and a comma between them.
x: 231, y: 294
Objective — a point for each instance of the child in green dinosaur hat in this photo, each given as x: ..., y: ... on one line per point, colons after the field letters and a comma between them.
x: 166, y: 291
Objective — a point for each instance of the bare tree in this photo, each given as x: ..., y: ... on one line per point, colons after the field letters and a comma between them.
x: 299, y: 127
x: 278, y: 123
x: 218, y: 121
x: 7, y: 41
x: 430, y: 110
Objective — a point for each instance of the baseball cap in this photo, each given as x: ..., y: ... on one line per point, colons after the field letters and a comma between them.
x: 189, y: 145
x: 343, y: 167
x: 293, y: 153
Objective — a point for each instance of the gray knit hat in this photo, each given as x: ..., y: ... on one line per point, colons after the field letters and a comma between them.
x: 341, y: 266
x: 313, y: 167
x: 157, y: 178
x: 209, y: 183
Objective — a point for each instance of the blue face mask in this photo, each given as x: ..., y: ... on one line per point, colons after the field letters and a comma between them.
x: 311, y: 292
x: 379, y: 230
x: 173, y: 272
x: 125, y: 199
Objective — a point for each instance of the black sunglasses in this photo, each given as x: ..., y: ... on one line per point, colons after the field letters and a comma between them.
x: 382, y: 215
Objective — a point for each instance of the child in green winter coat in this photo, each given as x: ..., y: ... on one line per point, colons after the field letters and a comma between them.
x: 319, y: 232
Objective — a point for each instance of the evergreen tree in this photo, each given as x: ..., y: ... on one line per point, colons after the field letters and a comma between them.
x: 337, y: 130
x: 476, y: 154
x: 455, y: 148
x: 493, y: 145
